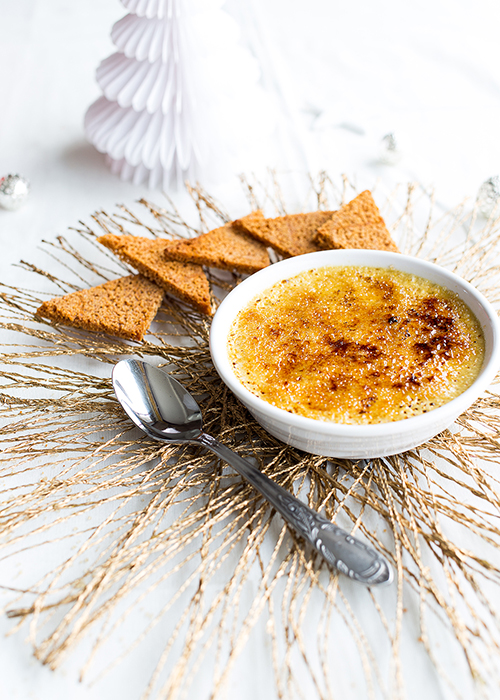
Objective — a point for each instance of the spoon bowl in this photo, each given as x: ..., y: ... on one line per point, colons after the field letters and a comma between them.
x: 157, y: 403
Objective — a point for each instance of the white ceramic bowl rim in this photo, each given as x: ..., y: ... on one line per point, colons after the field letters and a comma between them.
x: 247, y: 290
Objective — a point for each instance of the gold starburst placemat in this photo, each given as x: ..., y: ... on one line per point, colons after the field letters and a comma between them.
x: 123, y: 544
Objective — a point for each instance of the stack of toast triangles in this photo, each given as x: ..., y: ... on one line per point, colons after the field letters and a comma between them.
x: 125, y: 307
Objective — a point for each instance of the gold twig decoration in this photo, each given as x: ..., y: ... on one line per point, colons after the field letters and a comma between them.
x: 127, y: 534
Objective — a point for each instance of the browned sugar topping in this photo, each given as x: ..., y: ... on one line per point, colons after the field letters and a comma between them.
x: 226, y: 248
x: 124, y: 307
x: 357, y: 224
x: 356, y: 345
x: 186, y: 281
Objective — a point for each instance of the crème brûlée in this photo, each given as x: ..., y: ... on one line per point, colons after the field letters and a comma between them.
x: 356, y: 345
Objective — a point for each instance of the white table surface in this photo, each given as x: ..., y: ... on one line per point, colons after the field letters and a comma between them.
x: 342, y: 76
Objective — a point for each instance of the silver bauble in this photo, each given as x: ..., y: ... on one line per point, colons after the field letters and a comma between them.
x: 389, y: 151
x: 14, y: 190
x: 488, y: 196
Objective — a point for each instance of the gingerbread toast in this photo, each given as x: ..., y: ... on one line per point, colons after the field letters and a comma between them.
x: 226, y: 248
x: 186, y: 281
x: 123, y: 307
x: 357, y: 224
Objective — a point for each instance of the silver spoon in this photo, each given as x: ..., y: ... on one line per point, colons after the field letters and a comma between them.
x: 166, y: 411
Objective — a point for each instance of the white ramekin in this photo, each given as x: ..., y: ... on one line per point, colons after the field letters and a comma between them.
x: 353, y: 441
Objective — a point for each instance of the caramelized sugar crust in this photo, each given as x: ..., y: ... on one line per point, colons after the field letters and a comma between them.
x: 356, y: 345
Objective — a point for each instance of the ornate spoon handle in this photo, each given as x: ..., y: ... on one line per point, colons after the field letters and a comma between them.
x: 342, y: 551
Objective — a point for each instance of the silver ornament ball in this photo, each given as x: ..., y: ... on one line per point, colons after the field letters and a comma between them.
x: 389, y: 150
x: 14, y: 191
x: 488, y: 195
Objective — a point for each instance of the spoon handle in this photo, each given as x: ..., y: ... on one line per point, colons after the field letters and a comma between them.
x: 342, y: 551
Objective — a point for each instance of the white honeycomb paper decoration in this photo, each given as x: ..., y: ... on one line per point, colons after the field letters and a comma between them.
x: 179, y: 97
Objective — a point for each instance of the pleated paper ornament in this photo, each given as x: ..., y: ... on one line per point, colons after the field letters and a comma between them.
x: 176, y: 94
